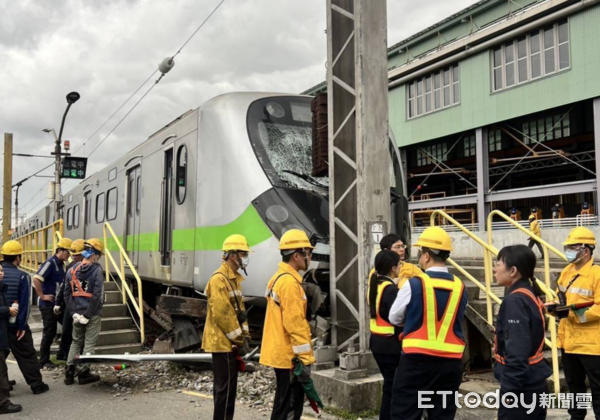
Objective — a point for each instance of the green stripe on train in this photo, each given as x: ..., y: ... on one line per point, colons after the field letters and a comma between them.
x: 206, y: 238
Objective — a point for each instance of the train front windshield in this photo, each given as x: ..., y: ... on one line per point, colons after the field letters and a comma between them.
x: 280, y: 130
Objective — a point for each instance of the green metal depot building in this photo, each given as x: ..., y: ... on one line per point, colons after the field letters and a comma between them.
x: 495, y: 107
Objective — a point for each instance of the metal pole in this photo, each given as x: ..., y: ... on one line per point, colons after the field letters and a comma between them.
x: 57, y: 156
x: 7, y: 193
x: 358, y: 160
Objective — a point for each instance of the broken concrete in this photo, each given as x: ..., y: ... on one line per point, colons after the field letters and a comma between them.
x: 351, y: 395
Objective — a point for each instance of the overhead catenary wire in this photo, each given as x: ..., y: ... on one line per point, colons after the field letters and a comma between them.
x: 151, y: 87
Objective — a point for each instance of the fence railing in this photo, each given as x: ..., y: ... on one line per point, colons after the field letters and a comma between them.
x: 39, y: 245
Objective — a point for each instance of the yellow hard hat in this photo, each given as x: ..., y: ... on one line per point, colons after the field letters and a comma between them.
x: 236, y: 243
x: 77, y: 247
x: 11, y: 248
x: 435, y: 237
x: 294, y: 239
x: 581, y: 235
x: 64, y: 243
x: 95, y: 244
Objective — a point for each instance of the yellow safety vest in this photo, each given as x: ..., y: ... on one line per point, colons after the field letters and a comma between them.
x: 435, y: 338
x: 379, y: 326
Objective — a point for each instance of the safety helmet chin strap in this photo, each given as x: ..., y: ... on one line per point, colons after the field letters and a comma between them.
x: 237, y: 260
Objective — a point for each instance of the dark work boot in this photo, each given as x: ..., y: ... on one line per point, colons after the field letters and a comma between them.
x: 86, y: 377
x: 40, y: 389
x: 9, y: 408
x: 70, y: 375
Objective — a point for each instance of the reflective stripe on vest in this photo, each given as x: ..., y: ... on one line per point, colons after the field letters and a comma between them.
x: 378, y: 325
x: 539, y: 354
x: 76, y: 286
x: 437, y: 338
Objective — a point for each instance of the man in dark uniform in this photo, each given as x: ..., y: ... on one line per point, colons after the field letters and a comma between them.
x: 6, y: 312
x: 46, y: 281
x: 18, y: 286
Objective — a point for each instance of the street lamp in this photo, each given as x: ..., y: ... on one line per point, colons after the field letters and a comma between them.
x: 71, y: 99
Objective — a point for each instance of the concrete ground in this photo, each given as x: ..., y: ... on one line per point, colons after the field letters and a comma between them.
x: 95, y: 402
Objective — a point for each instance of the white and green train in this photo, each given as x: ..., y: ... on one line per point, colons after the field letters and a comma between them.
x: 240, y: 163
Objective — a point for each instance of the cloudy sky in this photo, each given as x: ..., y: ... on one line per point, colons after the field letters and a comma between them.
x: 105, y: 49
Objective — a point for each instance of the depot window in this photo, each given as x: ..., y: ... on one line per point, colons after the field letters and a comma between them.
x: 494, y: 139
x: 469, y: 145
x: 540, y: 53
x: 433, y: 92
x: 543, y: 129
x: 432, y: 154
x: 181, y: 173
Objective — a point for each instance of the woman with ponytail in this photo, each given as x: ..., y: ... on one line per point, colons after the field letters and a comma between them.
x: 385, y: 344
x: 520, y: 331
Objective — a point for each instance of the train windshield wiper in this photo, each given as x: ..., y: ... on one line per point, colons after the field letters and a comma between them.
x: 306, y: 178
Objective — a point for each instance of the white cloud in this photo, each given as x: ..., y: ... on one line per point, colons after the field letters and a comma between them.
x: 105, y: 49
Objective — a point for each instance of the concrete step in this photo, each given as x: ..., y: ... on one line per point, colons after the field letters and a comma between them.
x: 116, y: 323
x: 119, y: 349
x: 113, y: 297
x: 123, y: 336
x: 112, y: 310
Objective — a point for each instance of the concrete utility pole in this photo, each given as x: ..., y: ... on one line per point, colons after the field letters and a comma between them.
x: 359, y: 162
x: 7, y: 190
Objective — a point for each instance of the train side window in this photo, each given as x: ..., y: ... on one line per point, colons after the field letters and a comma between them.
x: 138, y: 198
x: 181, y: 173
x: 111, y: 204
x: 100, y: 208
x: 70, y: 219
x: 76, y: 216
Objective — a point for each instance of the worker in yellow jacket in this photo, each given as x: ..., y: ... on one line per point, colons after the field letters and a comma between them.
x: 579, y: 330
x: 226, y: 332
x: 286, y: 333
x: 534, y: 227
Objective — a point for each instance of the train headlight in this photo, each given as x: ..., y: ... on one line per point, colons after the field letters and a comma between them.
x: 277, y: 213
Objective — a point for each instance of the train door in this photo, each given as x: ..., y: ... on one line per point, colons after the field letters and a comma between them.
x: 166, y: 210
x: 87, y: 213
x: 184, y: 211
x: 134, y: 197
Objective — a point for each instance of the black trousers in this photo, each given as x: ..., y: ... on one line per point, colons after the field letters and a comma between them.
x: 415, y: 375
x: 26, y: 357
x: 289, y: 396
x: 49, y: 333
x: 520, y: 412
x: 387, y: 363
x: 577, y: 367
x: 533, y: 242
x: 67, y: 335
x: 225, y: 369
x: 4, y: 386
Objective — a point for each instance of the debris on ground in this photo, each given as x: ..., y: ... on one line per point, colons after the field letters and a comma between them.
x: 255, y: 389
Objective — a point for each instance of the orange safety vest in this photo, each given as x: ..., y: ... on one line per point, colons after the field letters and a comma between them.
x: 539, y: 355
x: 77, y: 288
x: 379, y: 326
x: 437, y: 338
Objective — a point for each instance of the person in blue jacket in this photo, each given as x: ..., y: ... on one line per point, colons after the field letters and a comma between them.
x: 520, y: 331
x: 18, y: 288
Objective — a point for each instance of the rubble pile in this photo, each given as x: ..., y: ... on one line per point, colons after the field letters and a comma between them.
x: 255, y: 389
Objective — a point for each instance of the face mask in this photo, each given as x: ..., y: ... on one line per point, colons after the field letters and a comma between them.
x: 571, y: 255
x: 245, y: 261
x: 87, y: 254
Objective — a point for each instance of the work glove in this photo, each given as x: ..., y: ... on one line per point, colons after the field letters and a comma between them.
x: 76, y: 318
x: 83, y: 320
x: 580, y: 312
x: 244, y: 349
x: 57, y: 310
x: 304, y: 376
